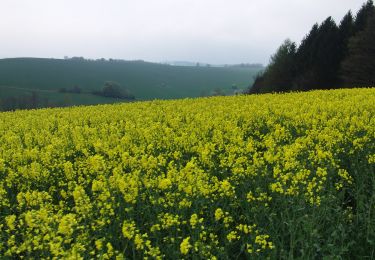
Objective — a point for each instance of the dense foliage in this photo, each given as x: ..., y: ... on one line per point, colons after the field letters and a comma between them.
x: 285, y: 176
x: 330, y: 56
x: 114, y: 90
x: 358, y: 69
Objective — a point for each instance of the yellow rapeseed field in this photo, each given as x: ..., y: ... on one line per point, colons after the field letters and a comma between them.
x: 276, y: 175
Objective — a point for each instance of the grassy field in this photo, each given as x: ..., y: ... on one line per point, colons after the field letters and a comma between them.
x: 144, y: 80
x: 286, y: 176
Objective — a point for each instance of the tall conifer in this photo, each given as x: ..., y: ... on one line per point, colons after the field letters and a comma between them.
x: 358, y: 69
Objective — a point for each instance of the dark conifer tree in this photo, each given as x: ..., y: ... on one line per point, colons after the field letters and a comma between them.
x: 257, y: 85
x: 279, y: 74
x: 318, y: 58
x: 305, y: 59
x: 325, y: 56
x: 330, y: 56
x: 358, y: 69
x: 363, y: 16
x: 346, y: 31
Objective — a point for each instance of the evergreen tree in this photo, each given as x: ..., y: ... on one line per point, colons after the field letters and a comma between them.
x: 304, y: 55
x: 363, y: 16
x: 346, y: 31
x: 279, y: 74
x: 346, y: 28
x: 318, y: 58
x: 358, y: 68
x: 327, y: 57
x: 305, y: 59
x: 330, y: 56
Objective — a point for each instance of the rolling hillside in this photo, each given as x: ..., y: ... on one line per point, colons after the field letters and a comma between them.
x: 21, y: 76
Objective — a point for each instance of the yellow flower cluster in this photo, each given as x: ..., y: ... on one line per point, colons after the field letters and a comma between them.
x: 197, y: 178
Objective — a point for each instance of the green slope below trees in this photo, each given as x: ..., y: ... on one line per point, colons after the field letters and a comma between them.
x: 144, y: 80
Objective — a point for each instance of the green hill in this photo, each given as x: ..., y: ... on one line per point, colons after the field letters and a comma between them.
x: 22, y: 76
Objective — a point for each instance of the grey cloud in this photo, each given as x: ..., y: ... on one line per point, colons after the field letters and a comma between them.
x: 214, y: 31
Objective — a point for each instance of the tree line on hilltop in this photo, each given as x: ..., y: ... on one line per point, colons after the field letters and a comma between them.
x: 330, y: 56
x: 33, y: 100
x: 28, y: 101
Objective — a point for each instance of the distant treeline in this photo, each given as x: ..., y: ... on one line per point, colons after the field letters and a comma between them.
x: 114, y: 90
x: 330, y: 56
x: 30, y: 101
x: 80, y: 58
x: 110, y: 89
x: 33, y: 100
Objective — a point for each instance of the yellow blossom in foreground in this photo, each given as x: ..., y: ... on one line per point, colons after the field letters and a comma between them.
x: 193, y: 178
x: 219, y: 214
x: 185, y: 246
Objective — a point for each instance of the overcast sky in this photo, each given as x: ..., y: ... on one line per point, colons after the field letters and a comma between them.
x: 213, y: 31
